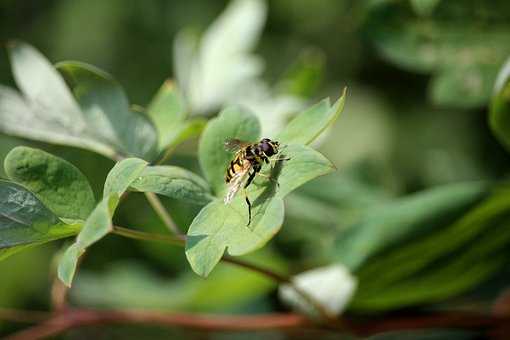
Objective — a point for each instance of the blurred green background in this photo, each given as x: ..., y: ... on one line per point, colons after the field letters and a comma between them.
x: 419, y: 180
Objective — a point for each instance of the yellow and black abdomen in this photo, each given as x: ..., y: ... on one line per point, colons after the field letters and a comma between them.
x: 236, y: 165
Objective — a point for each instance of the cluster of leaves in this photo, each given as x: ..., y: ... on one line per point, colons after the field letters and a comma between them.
x: 47, y: 198
x: 461, y: 45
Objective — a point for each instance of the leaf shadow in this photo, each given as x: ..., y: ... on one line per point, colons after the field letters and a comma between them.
x: 194, y: 240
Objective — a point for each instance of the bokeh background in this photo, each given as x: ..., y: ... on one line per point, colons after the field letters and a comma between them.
x: 413, y: 149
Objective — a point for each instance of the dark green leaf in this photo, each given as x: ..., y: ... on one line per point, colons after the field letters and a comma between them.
x: 499, y: 113
x: 462, y: 53
x: 58, y: 184
x: 25, y: 221
x: 442, y: 264
x: 173, y: 182
x: 391, y: 223
x: 424, y: 7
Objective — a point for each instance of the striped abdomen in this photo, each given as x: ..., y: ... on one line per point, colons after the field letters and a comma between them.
x: 236, y: 166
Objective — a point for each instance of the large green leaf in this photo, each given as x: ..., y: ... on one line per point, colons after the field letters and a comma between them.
x: 47, y: 110
x: 25, y: 221
x: 218, y: 226
x: 99, y: 223
x: 173, y: 182
x: 232, y: 122
x: 309, y: 124
x: 444, y: 263
x: 499, y: 113
x: 57, y: 183
x: 168, y: 112
x: 106, y: 106
x: 391, y: 223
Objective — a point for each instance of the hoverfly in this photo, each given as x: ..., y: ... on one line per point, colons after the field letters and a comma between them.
x: 246, y: 164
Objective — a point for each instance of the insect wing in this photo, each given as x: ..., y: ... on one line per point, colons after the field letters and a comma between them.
x: 235, y: 184
x: 234, y: 144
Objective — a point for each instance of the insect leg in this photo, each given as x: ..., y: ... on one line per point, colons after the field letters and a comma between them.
x: 249, y: 206
x: 250, y: 179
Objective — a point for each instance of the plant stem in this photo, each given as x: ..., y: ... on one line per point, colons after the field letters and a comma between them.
x: 162, y: 213
x: 140, y: 235
x: 180, y: 241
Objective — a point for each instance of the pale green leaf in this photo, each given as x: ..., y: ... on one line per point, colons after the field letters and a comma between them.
x: 232, y: 122
x: 106, y: 107
x: 122, y: 175
x: 221, y: 65
x: 218, y: 226
x: 168, y: 112
x: 44, y: 87
x: 57, y: 183
x: 309, y: 124
x: 25, y: 221
x: 46, y: 111
x: 97, y: 225
x: 173, y: 182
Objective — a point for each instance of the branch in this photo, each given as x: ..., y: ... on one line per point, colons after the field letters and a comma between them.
x: 63, y: 321
x: 163, y: 213
x: 85, y: 317
x: 180, y: 241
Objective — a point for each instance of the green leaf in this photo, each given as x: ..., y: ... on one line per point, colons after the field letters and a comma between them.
x: 106, y: 106
x: 451, y: 44
x: 122, y: 175
x: 499, y: 112
x: 424, y: 7
x: 232, y: 122
x: 309, y: 124
x: 169, y: 115
x: 173, y: 182
x: 463, y: 86
x: 221, y: 65
x: 43, y: 86
x: 57, y: 183
x: 444, y: 263
x: 25, y: 221
x: 99, y: 223
x: 47, y: 110
x: 218, y: 226
x: 391, y: 223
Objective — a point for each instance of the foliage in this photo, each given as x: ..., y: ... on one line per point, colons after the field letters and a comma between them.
x: 415, y: 218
